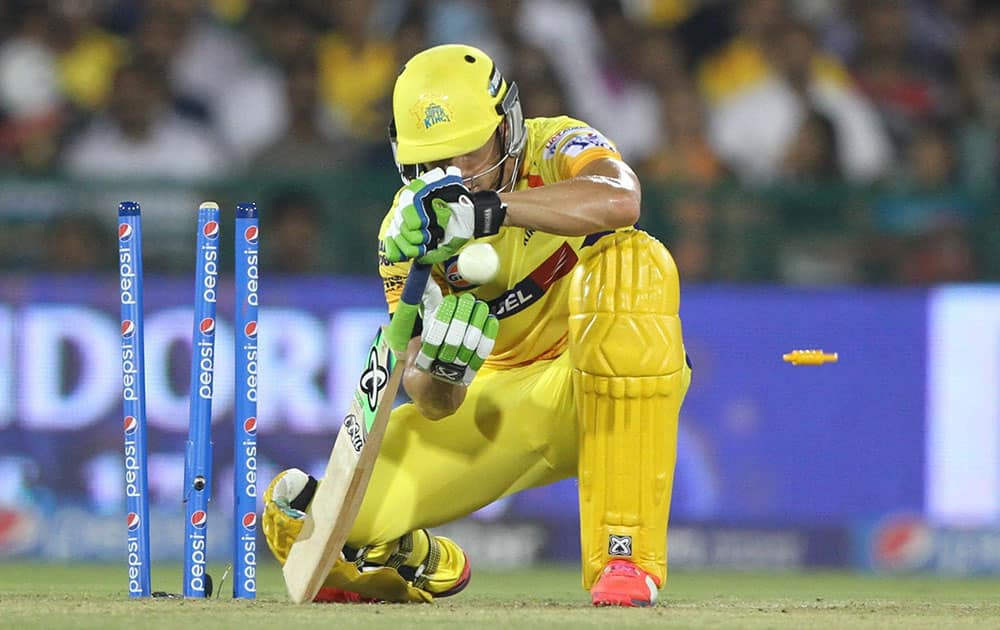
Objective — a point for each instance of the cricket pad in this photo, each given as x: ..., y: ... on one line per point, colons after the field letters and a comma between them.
x: 629, y: 380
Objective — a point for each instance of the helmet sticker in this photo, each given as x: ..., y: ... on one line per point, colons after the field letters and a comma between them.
x: 431, y: 112
x: 434, y: 114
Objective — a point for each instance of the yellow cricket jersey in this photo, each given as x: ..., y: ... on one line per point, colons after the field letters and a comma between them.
x: 530, y: 293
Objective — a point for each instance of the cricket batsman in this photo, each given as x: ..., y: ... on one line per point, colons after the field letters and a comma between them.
x: 570, y: 362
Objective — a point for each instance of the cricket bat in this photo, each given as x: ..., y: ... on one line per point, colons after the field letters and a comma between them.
x: 335, y: 505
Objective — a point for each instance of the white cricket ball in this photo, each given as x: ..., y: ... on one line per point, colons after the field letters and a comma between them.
x: 478, y: 263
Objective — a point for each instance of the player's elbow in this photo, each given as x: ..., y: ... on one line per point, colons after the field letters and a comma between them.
x: 624, y: 208
x: 631, y: 209
x: 618, y: 192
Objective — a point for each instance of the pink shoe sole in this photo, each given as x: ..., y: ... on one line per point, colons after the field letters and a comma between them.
x: 622, y: 583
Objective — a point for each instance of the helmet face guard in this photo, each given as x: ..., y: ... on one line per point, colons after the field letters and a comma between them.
x: 429, y: 86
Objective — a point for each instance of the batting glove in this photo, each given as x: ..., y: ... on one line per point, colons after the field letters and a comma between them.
x: 458, y: 337
x: 435, y: 215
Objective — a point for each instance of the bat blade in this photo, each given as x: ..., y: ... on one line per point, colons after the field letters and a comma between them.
x: 338, y: 498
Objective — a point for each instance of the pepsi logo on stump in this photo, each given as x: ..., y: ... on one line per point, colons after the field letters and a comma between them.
x: 199, y: 519
x: 211, y: 229
x: 207, y: 326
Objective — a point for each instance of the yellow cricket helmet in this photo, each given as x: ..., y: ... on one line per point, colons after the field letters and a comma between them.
x: 448, y: 101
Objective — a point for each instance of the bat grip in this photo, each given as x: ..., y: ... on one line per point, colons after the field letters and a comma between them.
x: 405, y: 317
x: 413, y: 291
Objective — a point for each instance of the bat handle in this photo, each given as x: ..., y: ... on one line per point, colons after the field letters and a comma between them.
x: 413, y: 291
x: 405, y: 317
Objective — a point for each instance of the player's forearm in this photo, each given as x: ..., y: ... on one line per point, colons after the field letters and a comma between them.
x: 605, y: 199
x: 434, y: 399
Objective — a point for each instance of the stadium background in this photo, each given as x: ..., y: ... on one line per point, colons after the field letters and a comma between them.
x: 824, y: 173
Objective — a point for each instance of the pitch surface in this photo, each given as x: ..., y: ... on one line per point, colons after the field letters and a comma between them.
x: 89, y: 596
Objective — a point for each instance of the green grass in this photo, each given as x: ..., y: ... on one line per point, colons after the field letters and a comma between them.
x: 86, y: 596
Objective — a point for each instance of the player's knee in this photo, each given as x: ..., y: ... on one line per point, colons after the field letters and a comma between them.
x: 624, y: 303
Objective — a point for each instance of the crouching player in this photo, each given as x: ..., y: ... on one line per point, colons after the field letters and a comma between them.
x: 585, y: 368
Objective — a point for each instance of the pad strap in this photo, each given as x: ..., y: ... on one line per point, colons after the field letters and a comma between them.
x: 426, y: 570
x: 402, y: 553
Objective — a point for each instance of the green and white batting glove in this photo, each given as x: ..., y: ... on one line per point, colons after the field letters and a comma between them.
x: 458, y: 337
x: 435, y: 215
x: 414, y: 228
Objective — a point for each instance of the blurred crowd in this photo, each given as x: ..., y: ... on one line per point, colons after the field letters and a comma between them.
x: 798, y: 141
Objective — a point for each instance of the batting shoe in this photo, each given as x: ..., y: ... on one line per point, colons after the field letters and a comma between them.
x: 440, y: 585
x: 444, y: 571
x: 622, y: 583
x: 462, y: 582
